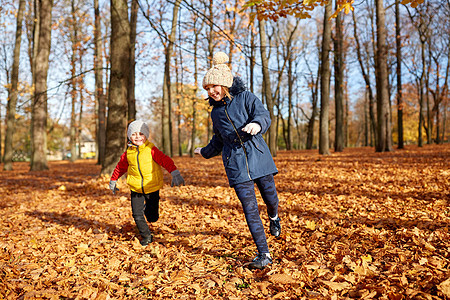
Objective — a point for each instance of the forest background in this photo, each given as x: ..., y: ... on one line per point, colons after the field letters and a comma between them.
x: 380, y: 78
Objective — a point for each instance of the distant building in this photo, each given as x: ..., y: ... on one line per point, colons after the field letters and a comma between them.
x: 88, y: 146
x: 86, y: 149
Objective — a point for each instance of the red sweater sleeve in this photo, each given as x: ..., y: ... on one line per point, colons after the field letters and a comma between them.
x: 121, y: 167
x: 163, y: 160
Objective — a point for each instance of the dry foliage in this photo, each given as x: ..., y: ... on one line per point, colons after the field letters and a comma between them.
x: 356, y: 224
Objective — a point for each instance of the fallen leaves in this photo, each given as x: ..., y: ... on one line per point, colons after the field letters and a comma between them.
x: 444, y: 287
x: 356, y: 224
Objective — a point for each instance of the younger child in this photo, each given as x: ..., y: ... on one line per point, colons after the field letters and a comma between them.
x: 142, y: 161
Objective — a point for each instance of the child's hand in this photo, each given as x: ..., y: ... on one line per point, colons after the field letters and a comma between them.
x: 112, y: 186
x: 198, y: 151
x: 177, y: 179
x: 252, y: 128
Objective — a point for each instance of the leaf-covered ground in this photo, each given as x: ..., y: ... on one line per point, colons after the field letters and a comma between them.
x: 356, y: 224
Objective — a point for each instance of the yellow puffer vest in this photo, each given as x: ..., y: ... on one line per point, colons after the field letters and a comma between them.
x: 144, y: 174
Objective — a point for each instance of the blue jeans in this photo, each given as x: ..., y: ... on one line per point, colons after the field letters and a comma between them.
x: 246, y: 194
x: 145, y: 207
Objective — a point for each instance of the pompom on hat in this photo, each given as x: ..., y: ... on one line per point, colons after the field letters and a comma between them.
x: 138, y: 126
x: 220, y: 73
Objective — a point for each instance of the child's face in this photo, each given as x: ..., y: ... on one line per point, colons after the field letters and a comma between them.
x: 215, y: 91
x: 138, y: 138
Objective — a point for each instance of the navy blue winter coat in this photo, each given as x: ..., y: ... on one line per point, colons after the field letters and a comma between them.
x: 245, y: 157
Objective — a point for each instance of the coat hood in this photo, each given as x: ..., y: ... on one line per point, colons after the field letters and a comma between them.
x: 237, y: 88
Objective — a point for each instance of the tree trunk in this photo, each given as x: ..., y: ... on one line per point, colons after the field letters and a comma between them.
x: 232, y: 27
x: 210, y: 35
x: 73, y: 80
x: 179, y: 93
x: 289, y: 143
x: 99, y: 94
x: 381, y: 69
x: 366, y: 121
x: 421, y: 95
x: 39, y: 106
x: 398, y: 42
x: 437, y: 99
x: 445, y: 91
x: 72, y: 129
x: 290, y: 62
x: 430, y: 117
x: 13, y: 93
x: 117, y: 103
x: 80, y: 115
x: 132, y: 75
x: 167, y: 99
x: 339, y: 141
x: 33, y: 41
x: 372, y: 101
x: 368, y: 84
x: 346, y: 114
x: 324, y: 144
x: 194, y: 100
x: 311, y: 125
x: 267, y: 87
x: 314, y: 109
x: 36, y: 33
x: 252, y: 57
x: 442, y: 96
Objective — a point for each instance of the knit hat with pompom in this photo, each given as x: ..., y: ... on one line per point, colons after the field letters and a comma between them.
x: 138, y: 126
x: 220, y: 73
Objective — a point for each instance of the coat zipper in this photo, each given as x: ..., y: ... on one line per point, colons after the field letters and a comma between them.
x: 242, y: 143
x: 139, y: 169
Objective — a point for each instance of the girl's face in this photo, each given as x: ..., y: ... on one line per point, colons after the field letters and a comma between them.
x: 215, y: 91
x: 138, y: 138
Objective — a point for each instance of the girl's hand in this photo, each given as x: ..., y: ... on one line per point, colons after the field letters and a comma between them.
x: 198, y: 150
x: 252, y: 128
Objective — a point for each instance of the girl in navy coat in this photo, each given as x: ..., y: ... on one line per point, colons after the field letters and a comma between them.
x: 239, y: 118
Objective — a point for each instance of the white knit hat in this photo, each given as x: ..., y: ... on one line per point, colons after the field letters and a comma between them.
x: 138, y: 126
x: 220, y: 73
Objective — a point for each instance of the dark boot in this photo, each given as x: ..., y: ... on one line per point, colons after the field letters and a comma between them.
x: 275, y: 227
x: 260, y: 261
x: 146, y: 240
